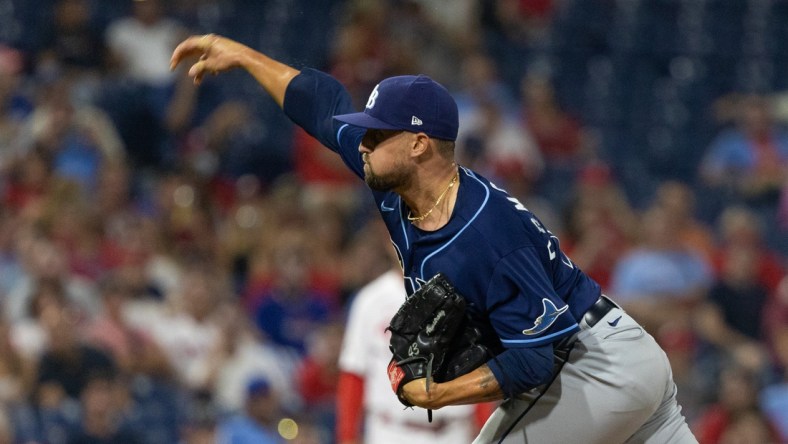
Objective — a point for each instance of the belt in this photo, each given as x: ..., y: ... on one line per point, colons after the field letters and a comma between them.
x: 592, y: 316
x: 601, y: 307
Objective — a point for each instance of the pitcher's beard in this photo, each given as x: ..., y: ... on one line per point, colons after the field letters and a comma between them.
x: 387, y: 182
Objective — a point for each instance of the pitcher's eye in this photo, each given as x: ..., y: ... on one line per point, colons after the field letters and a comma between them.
x: 374, y: 137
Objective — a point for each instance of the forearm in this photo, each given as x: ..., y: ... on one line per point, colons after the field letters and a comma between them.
x: 272, y: 75
x: 477, y: 386
x: 311, y: 102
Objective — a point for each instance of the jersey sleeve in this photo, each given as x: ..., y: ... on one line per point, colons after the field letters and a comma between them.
x: 311, y: 101
x: 524, y: 309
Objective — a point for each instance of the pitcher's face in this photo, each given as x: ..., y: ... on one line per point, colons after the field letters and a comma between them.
x: 386, y: 163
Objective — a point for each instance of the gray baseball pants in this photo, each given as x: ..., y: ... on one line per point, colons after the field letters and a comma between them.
x: 616, y: 387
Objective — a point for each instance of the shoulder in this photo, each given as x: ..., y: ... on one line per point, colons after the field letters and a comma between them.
x: 500, y: 216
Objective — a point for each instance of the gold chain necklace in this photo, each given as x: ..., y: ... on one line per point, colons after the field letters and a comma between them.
x: 437, y: 202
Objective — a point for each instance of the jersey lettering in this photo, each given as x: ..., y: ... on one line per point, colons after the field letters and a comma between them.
x: 517, y: 204
x: 564, y: 259
x: 538, y: 225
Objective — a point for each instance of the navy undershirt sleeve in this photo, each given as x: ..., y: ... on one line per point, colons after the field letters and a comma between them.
x: 520, y: 369
x: 312, y: 99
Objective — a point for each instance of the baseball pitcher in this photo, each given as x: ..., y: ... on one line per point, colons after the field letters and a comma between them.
x: 568, y: 363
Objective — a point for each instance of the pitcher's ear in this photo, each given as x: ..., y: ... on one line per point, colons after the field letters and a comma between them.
x: 420, y: 144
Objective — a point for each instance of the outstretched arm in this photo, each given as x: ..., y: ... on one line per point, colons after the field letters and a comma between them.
x: 216, y: 54
x: 308, y: 97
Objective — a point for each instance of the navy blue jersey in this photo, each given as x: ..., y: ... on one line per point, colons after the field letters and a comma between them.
x: 522, y: 291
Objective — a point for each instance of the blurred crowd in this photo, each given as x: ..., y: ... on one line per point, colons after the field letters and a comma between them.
x: 176, y: 262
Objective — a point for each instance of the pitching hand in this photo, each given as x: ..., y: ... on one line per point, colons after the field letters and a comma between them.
x: 215, y: 54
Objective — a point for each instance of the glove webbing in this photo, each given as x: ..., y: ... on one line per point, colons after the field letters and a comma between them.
x: 429, y: 375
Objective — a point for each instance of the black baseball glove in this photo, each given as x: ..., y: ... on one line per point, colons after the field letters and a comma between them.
x: 431, y: 337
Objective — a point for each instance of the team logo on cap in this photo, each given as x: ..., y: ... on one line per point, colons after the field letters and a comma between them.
x: 372, y: 97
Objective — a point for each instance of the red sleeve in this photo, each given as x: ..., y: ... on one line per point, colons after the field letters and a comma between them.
x: 711, y: 425
x: 482, y: 412
x: 350, y: 409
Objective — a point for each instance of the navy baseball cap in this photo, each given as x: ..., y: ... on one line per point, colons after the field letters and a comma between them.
x: 410, y: 103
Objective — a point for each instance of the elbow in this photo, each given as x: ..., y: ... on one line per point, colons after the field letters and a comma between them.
x: 416, y: 393
x: 432, y: 400
x: 439, y: 395
x: 519, y: 370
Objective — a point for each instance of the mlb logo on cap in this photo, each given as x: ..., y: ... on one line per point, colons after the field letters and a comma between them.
x: 410, y: 103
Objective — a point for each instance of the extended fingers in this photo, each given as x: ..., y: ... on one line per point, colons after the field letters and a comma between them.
x: 183, y: 49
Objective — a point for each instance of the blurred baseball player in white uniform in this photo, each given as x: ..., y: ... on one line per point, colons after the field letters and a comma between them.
x: 364, y: 393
